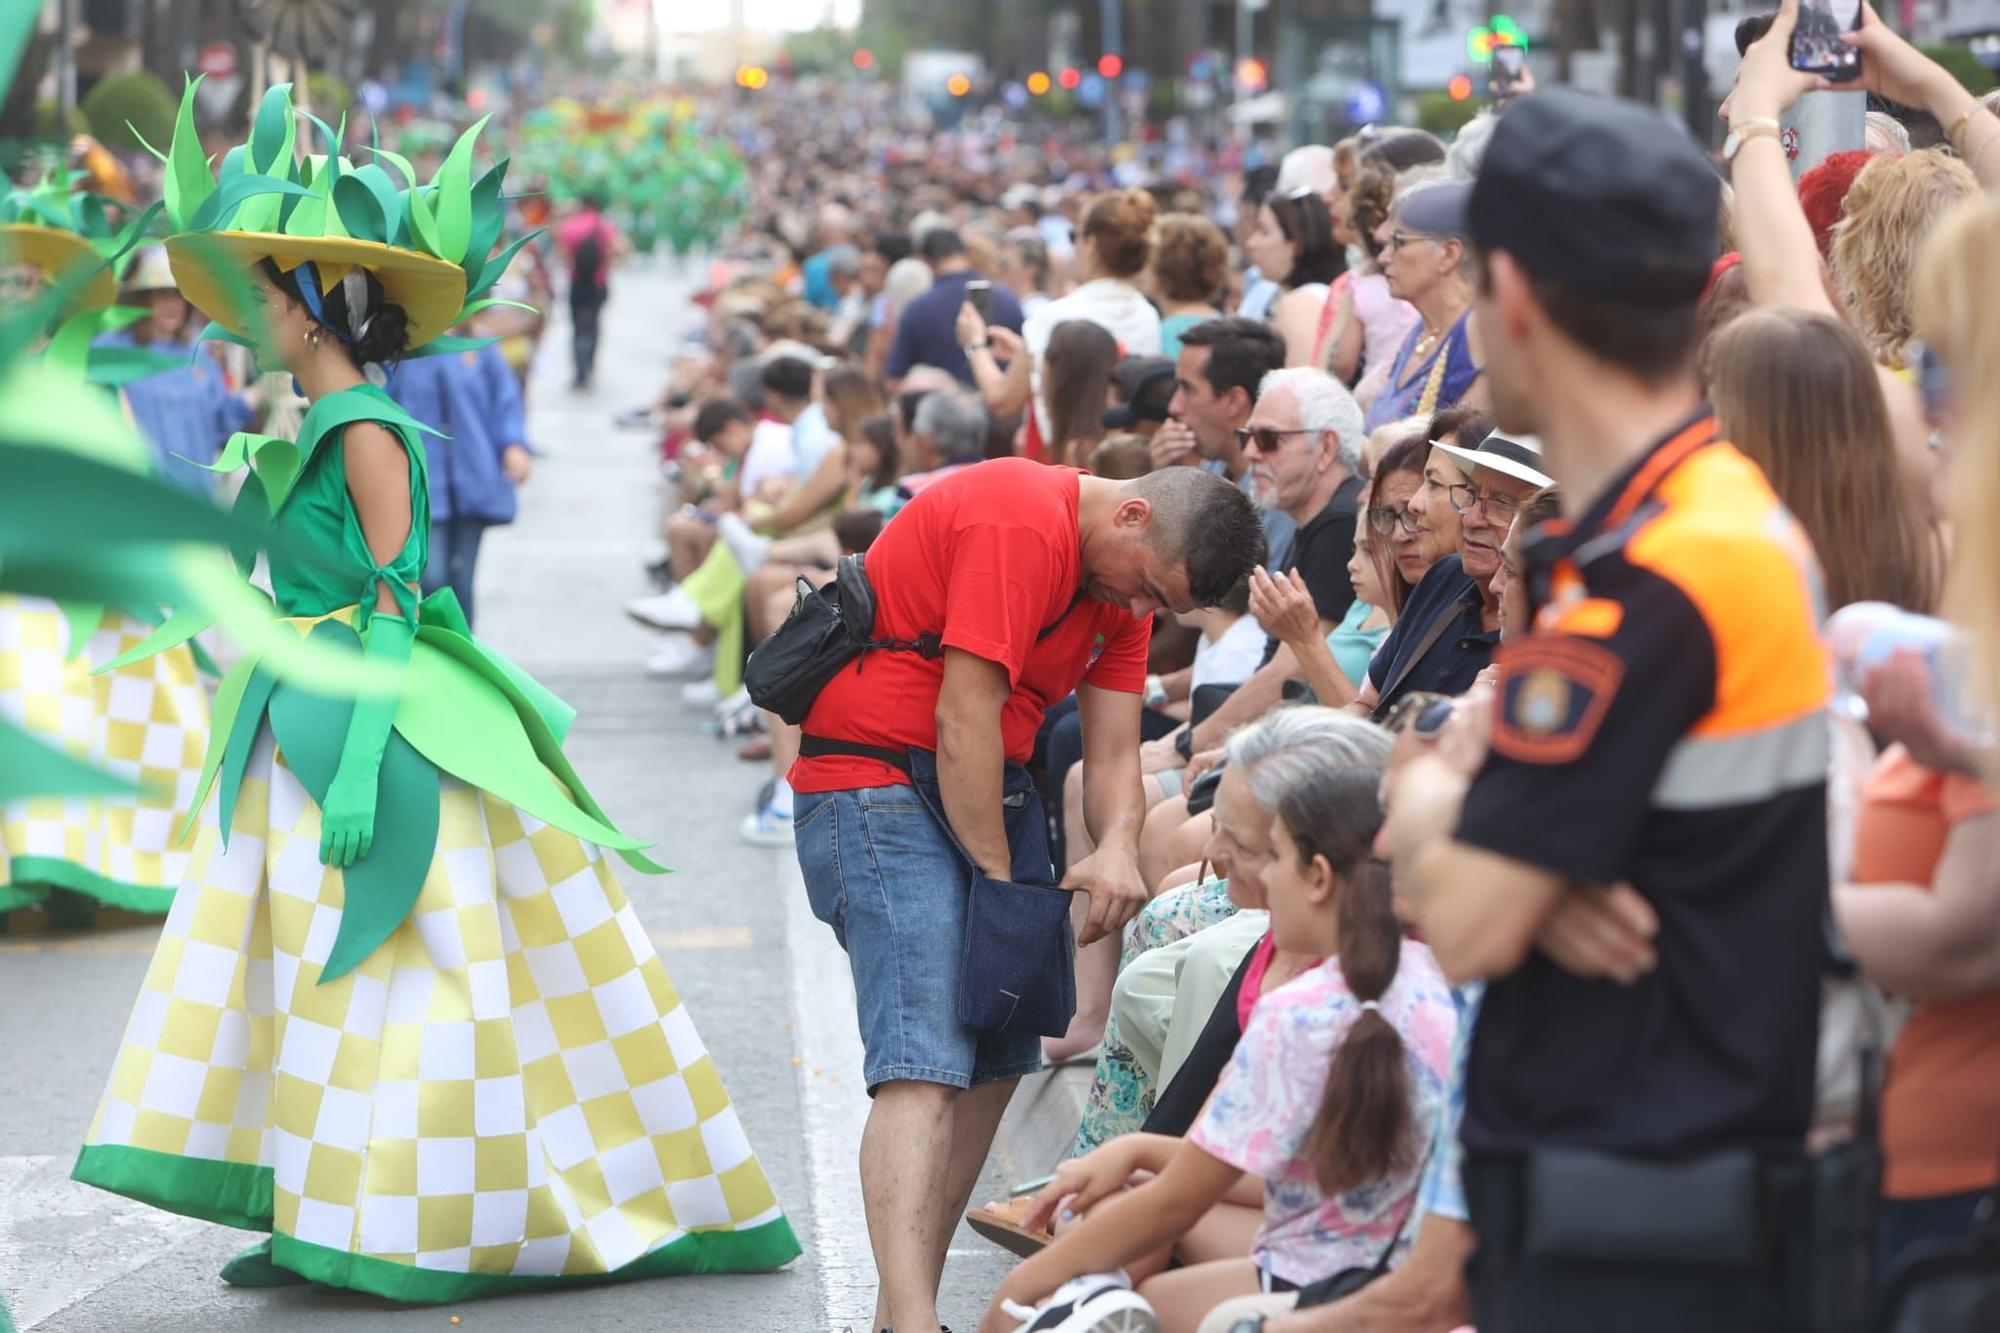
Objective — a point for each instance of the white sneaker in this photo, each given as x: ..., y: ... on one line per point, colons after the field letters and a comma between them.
x: 700, y: 693
x: 735, y: 703
x: 679, y: 655
x: 1093, y: 1303
x: 750, y: 549
x: 672, y: 609
x: 766, y: 828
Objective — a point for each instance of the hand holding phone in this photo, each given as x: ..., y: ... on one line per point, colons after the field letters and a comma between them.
x: 1816, y: 46
x: 1509, y: 63
x: 980, y: 292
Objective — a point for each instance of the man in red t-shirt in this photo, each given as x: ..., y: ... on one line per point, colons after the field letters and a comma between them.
x: 1038, y: 581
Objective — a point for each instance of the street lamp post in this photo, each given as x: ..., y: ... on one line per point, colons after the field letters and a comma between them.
x: 1114, y: 42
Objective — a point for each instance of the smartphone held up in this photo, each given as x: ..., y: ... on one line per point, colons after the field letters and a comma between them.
x: 1503, y: 80
x: 1817, y: 47
x: 980, y: 293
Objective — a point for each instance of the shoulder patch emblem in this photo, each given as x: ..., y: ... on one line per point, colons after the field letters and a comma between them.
x: 1554, y: 693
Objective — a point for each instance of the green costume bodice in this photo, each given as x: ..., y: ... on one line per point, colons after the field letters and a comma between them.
x: 318, y: 513
x: 464, y: 709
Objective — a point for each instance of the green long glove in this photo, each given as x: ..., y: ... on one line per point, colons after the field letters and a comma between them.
x: 347, y: 818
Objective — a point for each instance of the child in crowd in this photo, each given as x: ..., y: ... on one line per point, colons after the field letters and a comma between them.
x: 1329, y: 1100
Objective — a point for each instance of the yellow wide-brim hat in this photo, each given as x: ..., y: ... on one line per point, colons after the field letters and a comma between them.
x: 60, y: 255
x: 211, y: 268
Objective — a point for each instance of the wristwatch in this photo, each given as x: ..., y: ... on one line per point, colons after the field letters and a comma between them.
x: 979, y: 346
x: 1744, y: 130
x: 1156, y: 692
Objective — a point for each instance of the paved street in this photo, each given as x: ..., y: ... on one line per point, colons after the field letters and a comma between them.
x: 764, y: 981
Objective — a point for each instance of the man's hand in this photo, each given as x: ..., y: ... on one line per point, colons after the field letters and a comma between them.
x: 1172, y: 444
x: 1602, y: 933
x: 1283, y: 605
x: 1159, y: 756
x: 517, y: 463
x: 1110, y: 875
x: 1468, y: 732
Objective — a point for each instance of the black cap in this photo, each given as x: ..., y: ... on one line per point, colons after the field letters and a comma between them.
x: 1600, y: 195
x: 1149, y: 387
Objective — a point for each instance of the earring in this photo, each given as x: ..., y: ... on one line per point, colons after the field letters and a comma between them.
x: 312, y: 337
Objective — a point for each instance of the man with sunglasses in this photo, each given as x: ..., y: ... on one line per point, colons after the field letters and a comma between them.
x: 1302, y: 451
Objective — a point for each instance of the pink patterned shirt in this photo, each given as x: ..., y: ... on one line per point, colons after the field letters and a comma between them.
x: 1261, y: 1113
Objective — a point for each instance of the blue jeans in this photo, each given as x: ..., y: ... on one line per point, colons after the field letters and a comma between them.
x: 454, y: 556
x: 892, y: 883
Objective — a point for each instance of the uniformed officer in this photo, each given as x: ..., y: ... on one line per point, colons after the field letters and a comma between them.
x: 1662, y: 728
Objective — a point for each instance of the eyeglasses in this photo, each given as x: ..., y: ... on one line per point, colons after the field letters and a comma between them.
x: 1266, y: 437
x: 1383, y: 520
x: 1498, y: 507
x: 1399, y: 239
x: 1935, y: 383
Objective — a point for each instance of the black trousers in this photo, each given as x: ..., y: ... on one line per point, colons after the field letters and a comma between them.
x: 584, y: 309
x: 1515, y: 1292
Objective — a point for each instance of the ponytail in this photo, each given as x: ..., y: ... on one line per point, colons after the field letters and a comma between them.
x: 1362, y: 1131
x: 1320, y: 772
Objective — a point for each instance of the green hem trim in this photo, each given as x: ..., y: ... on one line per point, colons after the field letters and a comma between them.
x: 231, y: 1194
x: 236, y: 1195
x: 61, y: 874
x: 758, y: 1250
x: 16, y: 895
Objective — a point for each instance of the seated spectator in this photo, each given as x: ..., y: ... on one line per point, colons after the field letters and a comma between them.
x: 1448, y: 630
x: 1441, y: 363
x: 1217, y: 375
x: 947, y: 432
x: 1330, y: 1097
x: 1190, y: 255
x: 1293, y: 241
x: 927, y: 332
x: 1121, y: 457
x: 1022, y: 264
x: 770, y: 467
x: 1144, y: 388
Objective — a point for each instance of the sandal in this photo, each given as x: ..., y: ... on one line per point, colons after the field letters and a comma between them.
x: 1001, y: 1224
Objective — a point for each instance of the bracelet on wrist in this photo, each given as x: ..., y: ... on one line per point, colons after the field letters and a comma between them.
x: 980, y: 346
x: 1958, y: 123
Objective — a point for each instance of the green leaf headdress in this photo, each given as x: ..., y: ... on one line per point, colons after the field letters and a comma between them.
x: 431, y: 246
x: 71, y: 236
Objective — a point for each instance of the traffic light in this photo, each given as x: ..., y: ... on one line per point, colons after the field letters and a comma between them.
x: 864, y: 59
x: 1070, y: 77
x: 752, y: 77
x: 1039, y: 82
x: 958, y: 85
x: 1460, y: 87
x: 1251, y: 75
x: 1110, y: 65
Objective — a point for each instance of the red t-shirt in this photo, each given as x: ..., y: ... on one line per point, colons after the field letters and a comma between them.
x: 987, y: 558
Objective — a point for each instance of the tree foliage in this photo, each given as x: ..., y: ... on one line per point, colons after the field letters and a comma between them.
x: 126, y: 102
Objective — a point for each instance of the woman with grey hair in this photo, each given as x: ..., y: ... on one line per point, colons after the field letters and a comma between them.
x: 1330, y: 1095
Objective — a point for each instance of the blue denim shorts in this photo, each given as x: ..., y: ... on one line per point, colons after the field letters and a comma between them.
x: 892, y: 884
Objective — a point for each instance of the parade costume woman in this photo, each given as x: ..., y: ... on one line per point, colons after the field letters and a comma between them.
x: 147, y: 722
x: 402, y: 1016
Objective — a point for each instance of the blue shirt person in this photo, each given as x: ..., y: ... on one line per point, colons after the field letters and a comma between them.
x: 184, y: 413
x: 473, y: 397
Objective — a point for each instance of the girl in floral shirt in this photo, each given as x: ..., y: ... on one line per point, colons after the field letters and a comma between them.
x: 1325, y: 1111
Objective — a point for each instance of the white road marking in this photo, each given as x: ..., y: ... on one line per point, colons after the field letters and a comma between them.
x: 827, y: 1041
x: 61, y: 1241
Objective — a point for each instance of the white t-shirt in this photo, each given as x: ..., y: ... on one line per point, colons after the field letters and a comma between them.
x: 811, y: 438
x: 769, y: 455
x: 1231, y: 657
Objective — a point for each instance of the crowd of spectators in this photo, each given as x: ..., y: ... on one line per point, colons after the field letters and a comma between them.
x: 1529, y: 696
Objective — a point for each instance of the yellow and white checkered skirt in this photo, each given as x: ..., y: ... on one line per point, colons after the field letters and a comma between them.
x: 507, y: 1094
x: 147, y: 722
